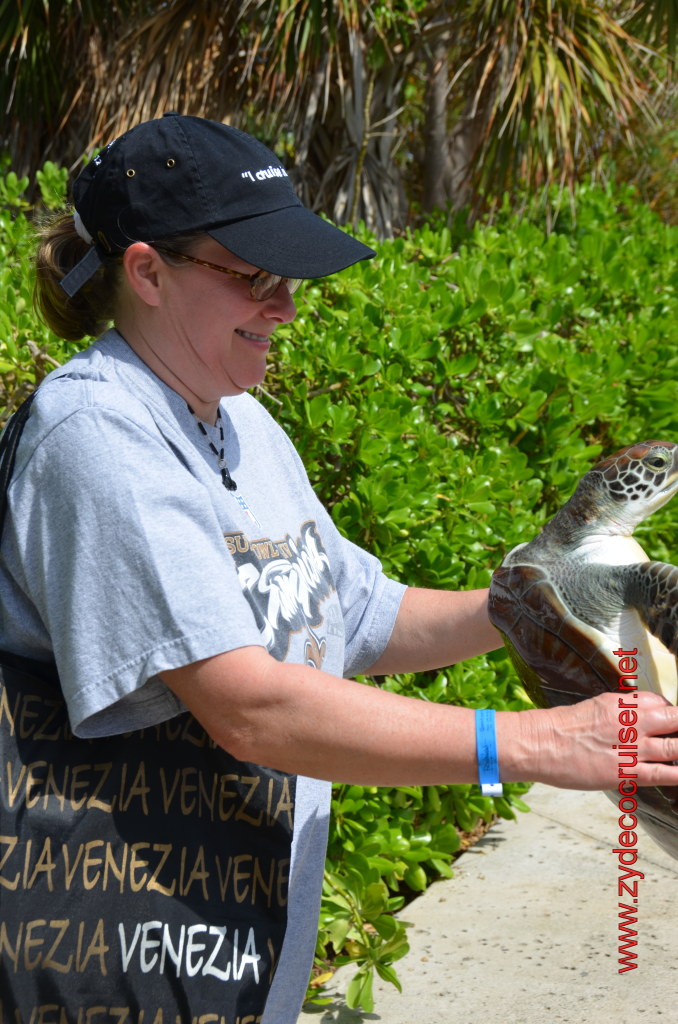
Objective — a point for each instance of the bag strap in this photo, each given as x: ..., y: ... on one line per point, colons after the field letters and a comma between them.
x: 9, y: 443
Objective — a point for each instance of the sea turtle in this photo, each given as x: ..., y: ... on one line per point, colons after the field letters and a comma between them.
x: 582, y: 595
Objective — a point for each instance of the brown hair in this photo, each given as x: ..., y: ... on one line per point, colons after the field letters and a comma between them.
x: 92, y: 308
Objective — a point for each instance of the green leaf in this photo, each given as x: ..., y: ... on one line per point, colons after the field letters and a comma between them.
x: 359, y: 991
x: 387, y: 973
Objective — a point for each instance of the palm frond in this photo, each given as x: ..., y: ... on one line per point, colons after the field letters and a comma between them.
x: 549, y: 79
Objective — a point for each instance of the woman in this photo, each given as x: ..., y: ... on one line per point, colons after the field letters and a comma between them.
x: 165, y: 550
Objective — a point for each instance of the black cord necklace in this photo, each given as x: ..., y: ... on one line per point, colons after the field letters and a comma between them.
x: 226, y: 478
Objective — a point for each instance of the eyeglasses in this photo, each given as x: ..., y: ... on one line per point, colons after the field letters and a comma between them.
x: 263, y: 284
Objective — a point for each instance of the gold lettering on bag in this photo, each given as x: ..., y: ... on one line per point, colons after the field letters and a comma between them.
x: 35, y: 948
x: 253, y: 783
x: 33, y: 715
x: 62, y: 730
x: 198, y: 873
x: 80, y: 786
x: 139, y: 789
x: 245, y: 878
x: 11, y: 843
x: 44, y: 863
x: 154, y: 885
x: 49, y: 961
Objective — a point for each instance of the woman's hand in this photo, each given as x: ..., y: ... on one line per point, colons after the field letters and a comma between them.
x: 583, y: 746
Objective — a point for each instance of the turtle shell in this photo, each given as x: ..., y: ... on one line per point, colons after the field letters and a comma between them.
x: 560, y: 659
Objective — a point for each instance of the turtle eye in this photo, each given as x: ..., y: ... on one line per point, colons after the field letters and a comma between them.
x: 656, y: 462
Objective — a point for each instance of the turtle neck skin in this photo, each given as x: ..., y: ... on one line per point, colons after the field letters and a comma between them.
x: 610, y: 501
x: 591, y: 511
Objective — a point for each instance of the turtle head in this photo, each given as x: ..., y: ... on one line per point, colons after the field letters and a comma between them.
x: 625, y: 488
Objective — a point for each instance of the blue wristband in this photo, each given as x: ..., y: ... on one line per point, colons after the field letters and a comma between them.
x: 486, y: 749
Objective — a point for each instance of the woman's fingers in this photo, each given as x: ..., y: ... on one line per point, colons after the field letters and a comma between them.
x: 592, y: 744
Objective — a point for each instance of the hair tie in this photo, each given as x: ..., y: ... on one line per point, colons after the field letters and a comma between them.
x: 81, y: 229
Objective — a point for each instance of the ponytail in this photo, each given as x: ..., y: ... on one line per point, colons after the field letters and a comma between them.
x: 91, y: 309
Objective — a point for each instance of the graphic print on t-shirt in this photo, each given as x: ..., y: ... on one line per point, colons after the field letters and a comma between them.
x: 286, y: 582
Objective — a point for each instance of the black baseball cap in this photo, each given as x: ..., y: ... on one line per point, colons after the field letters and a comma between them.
x: 179, y: 174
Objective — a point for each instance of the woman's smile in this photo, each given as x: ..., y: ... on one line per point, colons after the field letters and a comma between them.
x: 249, y: 336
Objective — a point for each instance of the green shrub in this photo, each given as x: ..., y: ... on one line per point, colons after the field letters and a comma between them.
x: 28, y: 350
x: 445, y: 398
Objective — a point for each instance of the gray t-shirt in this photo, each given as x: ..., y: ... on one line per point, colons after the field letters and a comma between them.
x: 124, y: 556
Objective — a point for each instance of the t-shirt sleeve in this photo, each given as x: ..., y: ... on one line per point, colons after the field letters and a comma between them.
x: 369, y: 599
x: 121, y: 554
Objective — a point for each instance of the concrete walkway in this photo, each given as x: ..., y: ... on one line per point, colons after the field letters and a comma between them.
x: 527, y: 930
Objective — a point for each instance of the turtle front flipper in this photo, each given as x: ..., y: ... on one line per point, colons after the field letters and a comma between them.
x: 651, y: 589
x: 653, y: 592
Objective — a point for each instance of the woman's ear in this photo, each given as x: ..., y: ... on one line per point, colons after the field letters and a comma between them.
x: 143, y: 267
